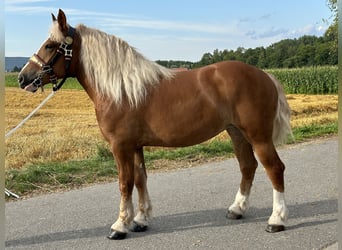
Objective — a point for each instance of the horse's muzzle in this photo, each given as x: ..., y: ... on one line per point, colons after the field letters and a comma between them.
x: 27, y: 84
x: 21, y: 81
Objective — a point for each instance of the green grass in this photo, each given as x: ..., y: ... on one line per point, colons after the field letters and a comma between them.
x: 213, y: 149
x: 11, y: 81
x: 52, y: 176
x: 314, y: 130
x: 56, y: 175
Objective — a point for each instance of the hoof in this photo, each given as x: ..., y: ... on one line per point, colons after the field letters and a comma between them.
x: 138, y: 228
x: 233, y: 216
x: 275, y: 228
x: 115, y: 235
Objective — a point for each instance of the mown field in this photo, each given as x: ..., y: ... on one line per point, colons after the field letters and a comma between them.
x: 61, y: 146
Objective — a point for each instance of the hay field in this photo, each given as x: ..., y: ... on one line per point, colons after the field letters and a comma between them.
x: 66, y: 128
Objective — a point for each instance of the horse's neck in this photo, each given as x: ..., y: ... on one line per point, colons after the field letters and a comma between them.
x: 98, y: 100
x: 87, y: 86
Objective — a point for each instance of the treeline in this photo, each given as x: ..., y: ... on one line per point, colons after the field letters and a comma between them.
x: 288, y: 53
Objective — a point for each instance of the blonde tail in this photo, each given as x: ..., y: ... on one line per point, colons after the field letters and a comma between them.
x: 281, y: 125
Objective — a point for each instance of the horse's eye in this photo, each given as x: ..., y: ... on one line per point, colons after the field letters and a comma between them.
x: 49, y: 46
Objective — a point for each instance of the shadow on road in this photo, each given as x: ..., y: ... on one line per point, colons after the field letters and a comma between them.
x: 192, y: 220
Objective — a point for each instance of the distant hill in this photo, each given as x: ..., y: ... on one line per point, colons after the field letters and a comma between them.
x: 11, y: 62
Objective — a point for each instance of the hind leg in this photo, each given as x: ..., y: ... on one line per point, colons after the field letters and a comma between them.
x: 248, y: 164
x: 275, y: 171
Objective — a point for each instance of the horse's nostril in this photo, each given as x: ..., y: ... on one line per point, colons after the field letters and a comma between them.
x: 20, y: 79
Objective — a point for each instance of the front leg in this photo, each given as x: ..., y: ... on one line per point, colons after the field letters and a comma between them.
x: 140, y: 222
x: 125, y: 164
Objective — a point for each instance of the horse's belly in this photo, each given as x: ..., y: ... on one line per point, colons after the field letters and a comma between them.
x: 180, y: 139
x: 186, y: 127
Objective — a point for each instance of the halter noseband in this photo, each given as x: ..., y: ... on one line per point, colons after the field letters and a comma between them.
x: 65, y: 49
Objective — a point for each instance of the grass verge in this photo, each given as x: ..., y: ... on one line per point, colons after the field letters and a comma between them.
x: 52, y: 176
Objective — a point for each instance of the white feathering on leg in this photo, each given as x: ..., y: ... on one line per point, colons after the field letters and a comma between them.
x: 240, y: 204
x: 280, y: 211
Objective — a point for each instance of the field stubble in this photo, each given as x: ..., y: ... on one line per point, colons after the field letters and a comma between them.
x: 66, y: 127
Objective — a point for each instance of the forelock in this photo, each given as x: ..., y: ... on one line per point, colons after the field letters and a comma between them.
x: 55, y: 33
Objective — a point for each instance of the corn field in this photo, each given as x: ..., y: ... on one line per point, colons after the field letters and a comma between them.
x: 308, y: 80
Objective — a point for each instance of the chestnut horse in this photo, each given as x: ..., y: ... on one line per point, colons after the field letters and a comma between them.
x: 140, y: 103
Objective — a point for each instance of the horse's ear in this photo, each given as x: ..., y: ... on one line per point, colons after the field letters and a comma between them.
x: 53, y: 17
x: 61, y: 18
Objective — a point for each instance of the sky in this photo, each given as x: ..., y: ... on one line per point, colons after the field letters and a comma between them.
x: 169, y: 30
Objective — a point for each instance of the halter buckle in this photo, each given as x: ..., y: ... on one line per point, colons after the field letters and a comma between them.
x: 68, y: 40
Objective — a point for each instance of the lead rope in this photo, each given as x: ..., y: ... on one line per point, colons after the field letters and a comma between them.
x: 8, y: 134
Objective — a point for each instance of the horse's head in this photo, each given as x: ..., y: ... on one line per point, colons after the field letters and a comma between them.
x: 52, y: 60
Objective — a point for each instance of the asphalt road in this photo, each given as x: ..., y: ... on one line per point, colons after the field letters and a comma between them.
x: 189, y: 209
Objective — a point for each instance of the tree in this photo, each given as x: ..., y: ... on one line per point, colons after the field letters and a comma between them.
x: 228, y: 55
x: 217, y: 56
x: 16, y: 69
x: 251, y: 56
x: 331, y: 35
x: 322, y: 56
x: 207, y: 59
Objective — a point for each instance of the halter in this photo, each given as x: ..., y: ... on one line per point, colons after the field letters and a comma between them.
x: 65, y: 49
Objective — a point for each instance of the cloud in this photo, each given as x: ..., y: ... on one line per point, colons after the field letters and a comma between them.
x: 265, y: 16
x: 26, y: 6
x: 27, y: 9
x: 165, y: 25
x: 13, y: 2
x: 251, y: 20
x: 111, y: 21
x: 271, y: 32
x: 311, y: 29
x: 245, y: 20
x: 282, y: 33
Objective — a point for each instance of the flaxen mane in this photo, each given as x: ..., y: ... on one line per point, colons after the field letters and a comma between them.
x: 115, y: 68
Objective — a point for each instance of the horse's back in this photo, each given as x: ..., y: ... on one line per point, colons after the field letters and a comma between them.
x: 228, y: 78
x: 232, y: 86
